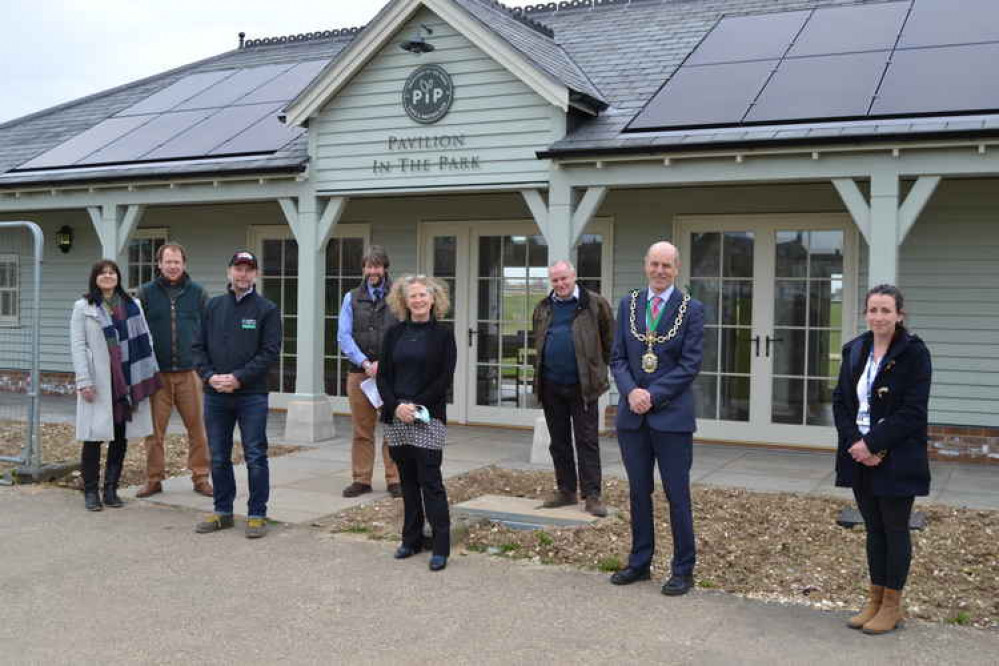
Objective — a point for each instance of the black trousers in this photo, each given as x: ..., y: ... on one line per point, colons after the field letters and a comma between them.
x: 889, y: 544
x: 566, y: 415
x: 90, y: 457
x: 423, y: 496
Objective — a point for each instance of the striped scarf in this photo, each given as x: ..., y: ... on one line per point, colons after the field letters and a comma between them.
x: 134, y: 372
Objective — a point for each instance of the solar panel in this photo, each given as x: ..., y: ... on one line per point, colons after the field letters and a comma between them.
x: 710, y: 95
x: 177, y: 92
x: 800, y: 89
x: 852, y: 29
x: 86, y: 142
x: 135, y: 144
x: 948, y: 22
x: 287, y: 85
x: 954, y: 78
x: 265, y: 136
x: 231, y: 89
x: 213, y: 131
x: 741, y: 38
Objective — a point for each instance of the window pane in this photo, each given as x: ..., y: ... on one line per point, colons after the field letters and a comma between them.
x: 489, y: 256
x: 738, y: 252
x: 788, y: 350
x: 487, y: 385
x: 792, y: 254
x: 820, y: 402
x: 824, y: 353
x: 445, y: 256
x: 737, y: 303
x: 333, y: 257
x: 514, y: 251
x: 705, y: 255
x: 788, y: 401
x: 271, y: 257
x: 488, y: 343
x: 734, y: 402
x: 588, y: 255
x: 291, y: 257
x: 351, y: 256
x: 735, y: 350
x: 826, y: 249
x: 710, y: 360
x: 789, y: 302
x: 705, y: 396
x: 290, y: 304
x: 707, y: 292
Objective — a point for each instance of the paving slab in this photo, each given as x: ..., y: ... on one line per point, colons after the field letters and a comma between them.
x: 522, y: 512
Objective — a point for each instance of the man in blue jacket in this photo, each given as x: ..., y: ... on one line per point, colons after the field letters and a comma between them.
x: 240, y: 341
x: 656, y: 357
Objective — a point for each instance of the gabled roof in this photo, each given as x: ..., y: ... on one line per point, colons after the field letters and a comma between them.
x: 528, y: 50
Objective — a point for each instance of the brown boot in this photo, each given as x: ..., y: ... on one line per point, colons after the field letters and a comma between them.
x: 203, y: 487
x: 869, y: 610
x: 149, y: 489
x: 890, y: 614
x: 559, y: 498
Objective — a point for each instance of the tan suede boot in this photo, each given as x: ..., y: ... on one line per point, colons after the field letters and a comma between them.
x: 869, y: 610
x: 890, y: 614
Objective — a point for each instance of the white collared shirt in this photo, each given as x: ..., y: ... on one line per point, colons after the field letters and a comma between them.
x: 575, y: 295
x: 665, y: 295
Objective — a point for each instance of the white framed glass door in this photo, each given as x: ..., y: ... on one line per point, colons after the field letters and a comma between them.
x: 777, y: 292
x: 496, y: 273
x: 444, y: 254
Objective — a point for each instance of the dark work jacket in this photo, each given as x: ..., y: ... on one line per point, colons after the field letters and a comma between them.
x: 174, y: 323
x: 592, y: 336
x: 240, y: 338
x: 671, y: 385
x: 899, y: 398
x: 371, y: 321
x: 442, y: 354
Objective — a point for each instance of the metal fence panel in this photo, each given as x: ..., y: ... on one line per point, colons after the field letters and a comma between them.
x: 20, y: 305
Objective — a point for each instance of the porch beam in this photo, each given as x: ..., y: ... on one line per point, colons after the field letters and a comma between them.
x: 33, y: 199
x: 914, y: 204
x: 114, y: 225
x: 712, y: 169
x: 539, y: 209
x: 856, y: 204
x: 585, y: 210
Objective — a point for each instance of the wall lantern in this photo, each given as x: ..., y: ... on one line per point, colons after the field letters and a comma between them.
x: 418, y: 44
x: 64, y: 238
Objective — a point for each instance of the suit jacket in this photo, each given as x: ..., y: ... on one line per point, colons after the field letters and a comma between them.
x: 899, y: 400
x: 673, y: 407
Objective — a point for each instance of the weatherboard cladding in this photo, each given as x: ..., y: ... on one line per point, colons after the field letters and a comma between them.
x: 619, y: 52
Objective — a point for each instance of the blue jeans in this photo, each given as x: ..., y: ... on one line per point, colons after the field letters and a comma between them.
x: 222, y: 412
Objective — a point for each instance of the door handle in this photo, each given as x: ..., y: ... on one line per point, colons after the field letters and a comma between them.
x: 756, y: 345
x: 769, y: 340
x: 471, y: 335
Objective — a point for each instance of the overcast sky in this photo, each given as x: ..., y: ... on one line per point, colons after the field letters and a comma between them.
x: 54, y: 51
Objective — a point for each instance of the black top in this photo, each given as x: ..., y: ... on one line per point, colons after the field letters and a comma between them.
x: 422, y: 381
x: 239, y: 337
x: 409, y: 357
x: 899, y: 401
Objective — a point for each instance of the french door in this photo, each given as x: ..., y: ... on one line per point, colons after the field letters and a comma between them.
x: 496, y: 273
x: 779, y: 293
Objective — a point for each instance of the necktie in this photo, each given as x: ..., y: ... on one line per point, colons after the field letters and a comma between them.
x: 657, y: 305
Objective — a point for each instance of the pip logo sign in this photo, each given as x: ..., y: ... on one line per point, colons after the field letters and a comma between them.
x: 428, y: 94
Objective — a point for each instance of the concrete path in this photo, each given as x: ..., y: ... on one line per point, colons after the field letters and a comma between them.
x: 137, y: 586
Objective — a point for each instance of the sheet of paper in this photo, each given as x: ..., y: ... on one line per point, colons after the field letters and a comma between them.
x: 370, y: 388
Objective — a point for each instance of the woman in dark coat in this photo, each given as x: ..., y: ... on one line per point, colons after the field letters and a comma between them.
x: 414, y: 374
x: 880, y: 405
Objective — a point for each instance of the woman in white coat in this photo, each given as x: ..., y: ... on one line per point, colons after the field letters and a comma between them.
x: 116, y: 373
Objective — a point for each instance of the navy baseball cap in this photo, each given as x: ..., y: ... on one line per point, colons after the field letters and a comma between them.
x: 243, y: 257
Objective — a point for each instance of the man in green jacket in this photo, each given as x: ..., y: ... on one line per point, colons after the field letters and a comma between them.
x: 573, y: 335
x: 174, y: 306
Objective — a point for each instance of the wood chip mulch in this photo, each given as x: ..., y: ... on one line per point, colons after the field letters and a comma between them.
x: 775, y: 546
x: 59, y: 444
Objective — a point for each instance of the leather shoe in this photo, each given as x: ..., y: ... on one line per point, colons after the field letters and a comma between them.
x: 149, y: 489
x: 628, y: 575
x: 404, y: 551
x: 595, y: 507
x: 395, y: 490
x: 355, y: 489
x: 559, y: 498
x: 203, y: 487
x: 438, y: 562
x: 677, y: 585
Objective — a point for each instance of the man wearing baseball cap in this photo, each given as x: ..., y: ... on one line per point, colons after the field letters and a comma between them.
x: 240, y: 341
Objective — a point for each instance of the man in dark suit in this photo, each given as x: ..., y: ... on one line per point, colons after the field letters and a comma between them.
x: 656, y: 357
